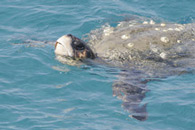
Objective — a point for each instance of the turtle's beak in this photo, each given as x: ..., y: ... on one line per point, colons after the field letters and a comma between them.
x: 64, y: 47
x: 56, y: 44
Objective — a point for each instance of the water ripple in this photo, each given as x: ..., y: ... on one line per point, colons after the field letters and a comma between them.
x: 38, y: 92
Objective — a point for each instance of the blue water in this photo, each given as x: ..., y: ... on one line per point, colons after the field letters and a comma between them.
x: 39, y: 93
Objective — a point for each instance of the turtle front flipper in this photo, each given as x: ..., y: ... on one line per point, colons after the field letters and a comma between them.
x: 131, y: 89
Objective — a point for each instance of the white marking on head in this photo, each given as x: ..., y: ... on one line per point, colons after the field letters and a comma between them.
x: 63, y: 46
x: 157, y: 29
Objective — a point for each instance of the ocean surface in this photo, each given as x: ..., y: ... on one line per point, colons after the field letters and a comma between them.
x: 37, y: 92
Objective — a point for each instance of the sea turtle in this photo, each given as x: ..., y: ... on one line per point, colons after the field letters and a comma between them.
x: 144, y: 52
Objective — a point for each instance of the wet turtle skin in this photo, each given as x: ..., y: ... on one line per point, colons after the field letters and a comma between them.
x: 144, y: 52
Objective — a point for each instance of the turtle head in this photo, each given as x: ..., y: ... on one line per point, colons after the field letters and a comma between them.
x: 73, y: 47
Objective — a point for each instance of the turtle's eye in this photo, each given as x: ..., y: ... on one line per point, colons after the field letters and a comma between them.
x: 78, y: 45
